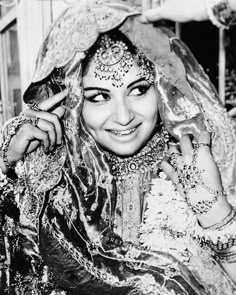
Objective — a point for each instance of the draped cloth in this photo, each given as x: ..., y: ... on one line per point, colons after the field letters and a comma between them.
x: 67, y: 210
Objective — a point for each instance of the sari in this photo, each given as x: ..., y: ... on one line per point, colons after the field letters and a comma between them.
x: 63, y: 238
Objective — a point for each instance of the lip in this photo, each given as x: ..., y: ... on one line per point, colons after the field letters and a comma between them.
x: 124, y: 134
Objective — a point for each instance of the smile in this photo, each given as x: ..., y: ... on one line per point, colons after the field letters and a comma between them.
x: 122, y: 133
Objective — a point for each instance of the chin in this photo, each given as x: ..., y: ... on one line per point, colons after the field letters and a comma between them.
x: 123, y: 150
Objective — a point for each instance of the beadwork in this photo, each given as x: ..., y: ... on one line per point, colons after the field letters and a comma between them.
x: 189, y: 177
x: 113, y: 60
x: 231, y: 217
x: 205, y: 205
x: 146, y: 159
x: 17, y: 122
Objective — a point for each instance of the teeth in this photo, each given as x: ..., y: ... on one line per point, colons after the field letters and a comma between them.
x: 124, y: 132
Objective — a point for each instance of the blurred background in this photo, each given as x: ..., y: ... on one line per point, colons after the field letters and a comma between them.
x: 23, y: 23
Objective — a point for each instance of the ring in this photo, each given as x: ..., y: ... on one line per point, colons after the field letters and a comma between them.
x: 203, y: 144
x: 34, y: 121
x: 34, y: 106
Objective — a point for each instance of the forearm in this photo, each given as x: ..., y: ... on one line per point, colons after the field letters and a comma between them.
x: 230, y: 268
x: 220, y: 232
x: 217, y: 213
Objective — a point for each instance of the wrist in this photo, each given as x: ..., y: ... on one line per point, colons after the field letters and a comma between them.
x: 218, y: 212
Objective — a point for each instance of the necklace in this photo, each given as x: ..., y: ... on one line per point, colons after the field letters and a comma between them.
x: 148, y: 158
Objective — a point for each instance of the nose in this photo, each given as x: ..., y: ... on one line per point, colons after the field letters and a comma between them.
x: 123, y: 113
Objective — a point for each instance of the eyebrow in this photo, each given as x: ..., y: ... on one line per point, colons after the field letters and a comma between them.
x: 136, y: 81
x: 96, y: 88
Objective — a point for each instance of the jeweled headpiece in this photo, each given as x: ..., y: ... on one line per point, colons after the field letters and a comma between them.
x: 113, y: 60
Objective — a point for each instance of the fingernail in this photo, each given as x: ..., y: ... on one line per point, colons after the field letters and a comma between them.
x: 143, y: 19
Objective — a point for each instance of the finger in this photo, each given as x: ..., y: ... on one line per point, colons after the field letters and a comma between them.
x: 47, y: 104
x: 232, y: 112
x: 186, y: 145
x: 175, y: 158
x: 53, y: 117
x: 59, y: 112
x: 32, y: 135
x: 204, y: 139
x: 49, y: 128
x: 146, y: 6
x: 167, y: 168
x: 152, y: 15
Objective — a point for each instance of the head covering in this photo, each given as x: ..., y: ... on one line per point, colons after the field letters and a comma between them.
x: 188, y: 103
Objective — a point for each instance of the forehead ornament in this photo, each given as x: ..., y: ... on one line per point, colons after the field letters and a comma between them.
x: 113, y: 61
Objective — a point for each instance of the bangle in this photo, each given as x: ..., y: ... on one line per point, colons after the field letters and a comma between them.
x: 222, y: 246
x: 205, y: 205
x: 228, y: 256
x: 220, y: 13
x: 231, y: 217
x: 7, y: 188
x: 16, y: 123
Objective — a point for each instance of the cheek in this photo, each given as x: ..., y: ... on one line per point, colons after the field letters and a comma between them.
x: 93, y: 118
x: 149, y: 107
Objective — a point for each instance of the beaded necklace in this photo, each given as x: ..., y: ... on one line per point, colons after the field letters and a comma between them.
x: 148, y: 158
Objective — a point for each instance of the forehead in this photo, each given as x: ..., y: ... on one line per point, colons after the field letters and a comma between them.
x: 90, y: 79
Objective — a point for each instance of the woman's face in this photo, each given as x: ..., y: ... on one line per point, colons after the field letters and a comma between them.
x: 120, y: 119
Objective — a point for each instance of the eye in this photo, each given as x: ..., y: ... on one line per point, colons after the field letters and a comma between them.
x: 98, y: 97
x: 140, y: 89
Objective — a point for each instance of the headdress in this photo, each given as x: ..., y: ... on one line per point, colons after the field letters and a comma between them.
x: 113, y: 61
x: 187, y: 103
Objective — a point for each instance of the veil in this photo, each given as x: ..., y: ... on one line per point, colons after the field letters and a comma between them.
x: 188, y: 104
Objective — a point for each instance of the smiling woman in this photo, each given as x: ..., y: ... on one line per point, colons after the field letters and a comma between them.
x: 120, y: 107
x: 125, y: 183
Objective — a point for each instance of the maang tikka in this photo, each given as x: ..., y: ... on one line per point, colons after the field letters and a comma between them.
x: 113, y: 61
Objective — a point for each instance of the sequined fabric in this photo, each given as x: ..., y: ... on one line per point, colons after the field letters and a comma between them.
x: 65, y: 240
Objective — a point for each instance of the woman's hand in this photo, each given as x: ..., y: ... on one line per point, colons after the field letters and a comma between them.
x: 175, y: 10
x: 47, y: 132
x: 197, y: 178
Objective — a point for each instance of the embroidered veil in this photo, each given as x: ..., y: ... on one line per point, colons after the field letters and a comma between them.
x: 77, y: 177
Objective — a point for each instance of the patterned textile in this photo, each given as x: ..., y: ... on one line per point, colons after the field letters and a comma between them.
x: 66, y: 238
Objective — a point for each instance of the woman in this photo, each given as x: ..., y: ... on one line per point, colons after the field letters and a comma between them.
x: 93, y: 211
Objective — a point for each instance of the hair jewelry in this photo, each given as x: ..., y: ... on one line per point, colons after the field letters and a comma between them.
x: 113, y: 60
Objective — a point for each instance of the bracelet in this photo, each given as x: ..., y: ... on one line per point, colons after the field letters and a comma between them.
x: 189, y: 177
x: 7, y: 188
x: 205, y: 205
x: 231, y: 217
x: 220, y: 13
x: 222, y: 246
x: 17, y: 122
x: 228, y: 256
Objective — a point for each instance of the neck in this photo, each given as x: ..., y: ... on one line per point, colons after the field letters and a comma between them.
x: 147, y: 159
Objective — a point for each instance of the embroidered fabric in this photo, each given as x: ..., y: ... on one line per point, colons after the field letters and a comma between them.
x: 70, y: 199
